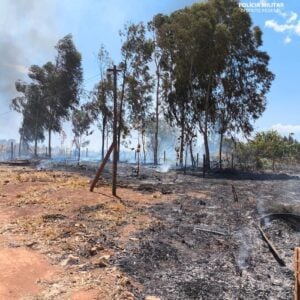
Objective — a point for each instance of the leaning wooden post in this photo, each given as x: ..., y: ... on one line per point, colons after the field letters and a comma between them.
x: 102, y: 166
x: 297, y: 271
x: 197, y: 162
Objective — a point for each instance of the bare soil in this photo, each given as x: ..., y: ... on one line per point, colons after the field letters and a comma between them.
x: 167, y: 235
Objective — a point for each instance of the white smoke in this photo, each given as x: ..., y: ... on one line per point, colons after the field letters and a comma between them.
x: 163, y: 168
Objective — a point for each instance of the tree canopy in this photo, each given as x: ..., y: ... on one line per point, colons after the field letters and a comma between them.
x: 200, y: 68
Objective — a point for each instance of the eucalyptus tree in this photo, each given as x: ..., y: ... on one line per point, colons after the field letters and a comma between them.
x: 214, y: 53
x: 137, y: 83
x: 60, y: 83
x: 100, y: 104
x: 31, y: 106
x: 242, y: 86
x: 46, y: 77
x: 171, y: 76
x: 81, y: 123
x: 139, y: 101
x: 161, y: 83
x: 100, y: 109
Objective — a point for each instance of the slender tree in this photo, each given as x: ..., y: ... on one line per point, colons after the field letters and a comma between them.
x: 160, y: 59
x: 100, y: 105
x: 136, y: 80
x: 81, y: 124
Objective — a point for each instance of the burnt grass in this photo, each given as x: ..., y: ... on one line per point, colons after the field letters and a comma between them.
x: 203, y: 244
x: 209, y: 247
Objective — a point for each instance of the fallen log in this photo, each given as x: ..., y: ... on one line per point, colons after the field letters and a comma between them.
x: 271, y: 247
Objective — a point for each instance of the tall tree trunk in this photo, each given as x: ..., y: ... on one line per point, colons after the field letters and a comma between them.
x: 79, y: 150
x: 220, y: 150
x: 103, y: 136
x: 144, y: 145
x: 181, y: 143
x: 207, y: 156
x: 35, y: 138
x: 156, y: 120
x: 185, y: 159
x: 35, y: 146
x: 191, y: 153
x: 206, y: 146
x: 107, y: 135
x: 20, y: 145
x: 49, y: 142
x: 120, y: 125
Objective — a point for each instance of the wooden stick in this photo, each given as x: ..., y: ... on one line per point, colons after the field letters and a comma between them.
x: 211, y: 231
x: 235, y: 197
x: 271, y: 247
x: 297, y: 271
x: 102, y: 167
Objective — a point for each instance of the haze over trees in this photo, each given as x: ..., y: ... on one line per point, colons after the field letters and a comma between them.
x: 201, y: 69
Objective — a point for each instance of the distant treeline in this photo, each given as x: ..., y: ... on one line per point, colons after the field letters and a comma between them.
x: 200, y: 70
x: 265, y: 150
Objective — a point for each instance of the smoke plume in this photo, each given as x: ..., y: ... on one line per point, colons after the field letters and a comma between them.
x: 27, y: 36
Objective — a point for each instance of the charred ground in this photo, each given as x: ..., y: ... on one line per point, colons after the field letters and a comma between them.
x: 170, y: 235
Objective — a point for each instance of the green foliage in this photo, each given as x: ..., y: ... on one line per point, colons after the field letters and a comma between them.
x: 31, y: 106
x: 219, y: 77
x: 100, y: 107
x: 139, y: 85
x: 53, y: 93
x: 266, y: 149
x: 204, y: 64
x: 81, y: 123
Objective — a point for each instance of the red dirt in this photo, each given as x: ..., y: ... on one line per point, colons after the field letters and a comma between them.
x: 20, y: 270
x: 26, y: 196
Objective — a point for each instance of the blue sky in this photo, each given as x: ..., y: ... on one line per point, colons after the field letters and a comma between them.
x: 30, y: 29
x: 282, y: 42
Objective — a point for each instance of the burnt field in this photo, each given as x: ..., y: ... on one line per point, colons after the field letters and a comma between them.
x: 167, y: 236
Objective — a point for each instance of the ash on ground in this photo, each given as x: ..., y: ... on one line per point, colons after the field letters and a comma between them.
x: 205, y: 245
